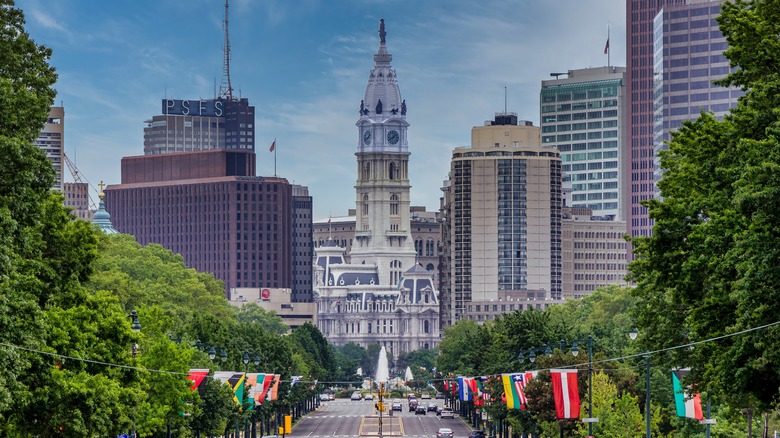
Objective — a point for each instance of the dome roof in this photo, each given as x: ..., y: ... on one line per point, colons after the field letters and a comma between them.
x: 102, y: 219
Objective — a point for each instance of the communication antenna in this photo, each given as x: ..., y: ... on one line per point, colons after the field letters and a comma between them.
x: 225, y: 88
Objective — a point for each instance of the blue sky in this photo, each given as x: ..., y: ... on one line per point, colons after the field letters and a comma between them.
x: 304, y: 65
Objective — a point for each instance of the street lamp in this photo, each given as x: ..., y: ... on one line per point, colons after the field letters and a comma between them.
x: 135, y: 326
x: 632, y: 334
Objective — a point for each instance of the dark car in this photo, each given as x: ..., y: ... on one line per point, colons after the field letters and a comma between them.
x: 421, y: 411
x: 432, y: 407
x: 438, y: 410
x: 413, y: 405
x: 477, y: 434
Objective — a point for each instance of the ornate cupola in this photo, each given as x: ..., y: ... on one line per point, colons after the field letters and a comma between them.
x: 382, y: 230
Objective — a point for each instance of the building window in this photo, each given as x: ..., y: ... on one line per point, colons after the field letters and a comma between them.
x: 394, y: 205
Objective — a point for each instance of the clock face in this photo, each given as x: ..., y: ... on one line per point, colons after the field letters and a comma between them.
x: 393, y: 137
x: 366, y: 137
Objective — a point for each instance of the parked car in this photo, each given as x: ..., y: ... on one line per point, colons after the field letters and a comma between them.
x: 444, y: 432
x: 477, y: 434
x: 432, y: 407
x: 447, y: 413
x: 356, y: 396
x: 369, y: 396
x: 425, y: 396
x: 439, y: 396
x: 421, y: 411
x: 397, y: 406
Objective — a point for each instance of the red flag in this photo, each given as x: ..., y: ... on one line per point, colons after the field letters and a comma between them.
x: 273, y: 145
x: 606, y: 48
x: 196, y: 376
x: 567, y: 398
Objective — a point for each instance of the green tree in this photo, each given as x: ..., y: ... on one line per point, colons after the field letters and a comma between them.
x: 269, y: 320
x: 709, y: 269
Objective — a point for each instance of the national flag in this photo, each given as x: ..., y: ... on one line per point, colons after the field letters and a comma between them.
x: 273, y: 146
x: 606, y: 47
x: 273, y: 392
x: 688, y: 405
x: 235, y: 381
x: 196, y: 376
x: 467, y: 388
x: 263, y: 385
x: 514, y: 389
x: 567, y: 397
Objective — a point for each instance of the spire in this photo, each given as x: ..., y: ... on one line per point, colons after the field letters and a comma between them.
x: 226, y: 88
x: 101, y: 218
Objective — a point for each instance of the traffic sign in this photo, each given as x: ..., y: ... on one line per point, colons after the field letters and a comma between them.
x: 708, y: 421
x: 590, y: 420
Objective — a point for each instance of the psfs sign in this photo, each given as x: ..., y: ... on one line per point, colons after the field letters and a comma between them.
x: 206, y: 108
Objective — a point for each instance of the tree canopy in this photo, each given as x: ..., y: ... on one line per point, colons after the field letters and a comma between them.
x: 710, y: 268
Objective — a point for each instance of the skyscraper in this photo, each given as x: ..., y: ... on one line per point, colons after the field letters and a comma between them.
x: 382, y: 295
x: 51, y: 141
x: 640, y: 15
x: 582, y: 116
x: 688, y: 58
x: 502, y: 205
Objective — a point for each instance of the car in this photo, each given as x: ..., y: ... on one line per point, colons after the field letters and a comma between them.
x: 477, y: 434
x: 420, y: 410
x: 438, y: 410
x: 331, y: 397
x: 439, y: 396
x: 444, y: 432
x: 369, y: 396
x: 411, y: 396
x: 356, y: 396
x: 397, y: 406
x: 324, y: 397
x: 447, y: 413
x: 432, y: 407
x: 425, y: 396
x: 413, y: 405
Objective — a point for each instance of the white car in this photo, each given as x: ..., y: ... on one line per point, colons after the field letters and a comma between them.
x: 444, y: 432
x: 447, y: 413
x: 356, y: 396
x: 369, y: 396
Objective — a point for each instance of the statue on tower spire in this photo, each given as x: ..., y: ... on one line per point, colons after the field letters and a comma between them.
x: 382, y: 33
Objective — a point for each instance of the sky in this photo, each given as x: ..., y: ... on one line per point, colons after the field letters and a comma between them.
x: 304, y: 66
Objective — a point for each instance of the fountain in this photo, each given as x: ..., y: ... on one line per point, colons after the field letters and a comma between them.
x: 382, y: 367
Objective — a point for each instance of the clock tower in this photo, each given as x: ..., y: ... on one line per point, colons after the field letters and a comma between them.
x: 382, y: 231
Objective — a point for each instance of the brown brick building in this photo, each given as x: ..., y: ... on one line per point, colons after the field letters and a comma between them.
x: 210, y: 207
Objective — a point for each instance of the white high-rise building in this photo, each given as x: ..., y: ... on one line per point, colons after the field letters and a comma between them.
x: 582, y: 116
x: 51, y: 141
x: 383, y: 295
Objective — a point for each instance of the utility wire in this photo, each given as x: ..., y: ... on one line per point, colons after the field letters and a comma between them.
x: 630, y: 356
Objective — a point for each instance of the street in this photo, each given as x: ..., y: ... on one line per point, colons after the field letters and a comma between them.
x: 346, y: 418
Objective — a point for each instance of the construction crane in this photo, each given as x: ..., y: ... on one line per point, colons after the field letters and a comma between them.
x: 74, y: 172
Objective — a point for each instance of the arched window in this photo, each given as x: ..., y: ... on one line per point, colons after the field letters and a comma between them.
x: 366, y: 170
x: 365, y: 204
x: 394, y: 204
x: 392, y: 171
x: 429, y: 267
x: 429, y: 248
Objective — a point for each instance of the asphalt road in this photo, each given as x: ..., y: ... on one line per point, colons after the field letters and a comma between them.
x: 346, y: 418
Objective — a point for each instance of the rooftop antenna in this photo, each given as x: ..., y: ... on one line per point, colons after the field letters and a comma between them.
x: 225, y: 88
x: 505, y: 99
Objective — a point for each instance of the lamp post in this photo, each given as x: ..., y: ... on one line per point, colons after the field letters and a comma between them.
x: 632, y: 334
x: 135, y: 326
